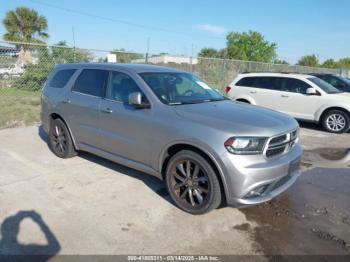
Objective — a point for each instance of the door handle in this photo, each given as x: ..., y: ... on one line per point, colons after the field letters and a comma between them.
x: 107, y: 110
x: 285, y: 95
x: 66, y: 101
x: 253, y: 92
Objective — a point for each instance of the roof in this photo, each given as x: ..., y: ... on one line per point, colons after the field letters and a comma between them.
x: 278, y: 75
x: 136, y: 68
x: 322, y: 74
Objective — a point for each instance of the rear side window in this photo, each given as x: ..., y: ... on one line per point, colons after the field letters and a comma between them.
x: 246, y: 81
x: 61, y: 78
x: 266, y: 82
x: 91, y: 82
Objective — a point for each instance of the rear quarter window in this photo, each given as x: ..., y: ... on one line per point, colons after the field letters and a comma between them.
x: 61, y: 78
x: 246, y: 81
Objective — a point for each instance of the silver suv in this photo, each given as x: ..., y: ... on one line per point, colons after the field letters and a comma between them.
x: 170, y: 124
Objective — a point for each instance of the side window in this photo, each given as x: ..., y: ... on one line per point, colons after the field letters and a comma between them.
x: 294, y: 85
x: 246, y: 81
x: 334, y: 81
x: 120, y: 86
x: 266, y: 82
x: 61, y: 78
x: 91, y: 82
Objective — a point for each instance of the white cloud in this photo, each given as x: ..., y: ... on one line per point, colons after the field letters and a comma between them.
x: 212, y: 29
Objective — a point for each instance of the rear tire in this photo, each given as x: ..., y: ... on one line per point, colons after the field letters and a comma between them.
x: 60, y: 140
x: 336, y: 121
x: 192, y: 183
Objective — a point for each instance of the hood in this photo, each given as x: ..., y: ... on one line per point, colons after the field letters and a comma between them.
x: 238, y: 118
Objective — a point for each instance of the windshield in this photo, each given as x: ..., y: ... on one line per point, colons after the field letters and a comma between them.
x: 328, y: 88
x: 180, y: 88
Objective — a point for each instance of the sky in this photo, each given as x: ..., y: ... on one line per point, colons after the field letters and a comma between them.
x: 183, y: 27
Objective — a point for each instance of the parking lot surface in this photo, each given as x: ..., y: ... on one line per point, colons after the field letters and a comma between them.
x: 88, y: 205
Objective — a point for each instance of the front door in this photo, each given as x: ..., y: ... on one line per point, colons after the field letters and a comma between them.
x: 126, y: 131
x: 295, y: 101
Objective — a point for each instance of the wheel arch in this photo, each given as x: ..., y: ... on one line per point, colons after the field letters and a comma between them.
x: 55, y: 115
x: 179, y: 146
x: 249, y: 99
x: 326, y: 110
x: 242, y: 100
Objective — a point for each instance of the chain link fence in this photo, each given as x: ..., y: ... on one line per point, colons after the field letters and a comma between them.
x: 24, y: 68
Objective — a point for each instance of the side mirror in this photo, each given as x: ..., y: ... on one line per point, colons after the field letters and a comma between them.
x: 135, y: 99
x: 311, y: 91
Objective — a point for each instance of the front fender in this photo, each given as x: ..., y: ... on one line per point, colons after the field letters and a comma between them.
x: 337, y: 105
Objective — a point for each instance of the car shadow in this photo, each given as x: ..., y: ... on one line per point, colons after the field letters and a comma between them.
x: 313, y: 126
x: 12, y: 250
x: 152, y: 182
x: 310, y: 125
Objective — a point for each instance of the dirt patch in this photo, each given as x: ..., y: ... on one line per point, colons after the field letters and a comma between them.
x: 312, y: 217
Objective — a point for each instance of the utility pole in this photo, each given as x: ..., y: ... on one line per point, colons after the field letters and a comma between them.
x: 147, y: 51
x: 73, y: 44
x: 191, y: 59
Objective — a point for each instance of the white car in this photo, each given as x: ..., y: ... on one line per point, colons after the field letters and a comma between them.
x: 13, y: 70
x: 303, y: 97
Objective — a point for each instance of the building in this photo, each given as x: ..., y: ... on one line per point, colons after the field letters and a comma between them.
x: 165, y: 59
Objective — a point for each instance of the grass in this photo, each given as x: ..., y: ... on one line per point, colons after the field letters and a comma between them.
x: 18, y: 107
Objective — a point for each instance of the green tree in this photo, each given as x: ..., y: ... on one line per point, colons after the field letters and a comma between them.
x: 61, y: 54
x: 280, y: 61
x: 36, y: 74
x: 25, y: 25
x: 330, y: 63
x: 209, y: 52
x: 124, y: 56
x: 250, y: 46
x: 309, y: 60
x: 344, y: 62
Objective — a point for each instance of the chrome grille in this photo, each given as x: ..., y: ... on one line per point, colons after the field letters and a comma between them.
x: 281, y: 144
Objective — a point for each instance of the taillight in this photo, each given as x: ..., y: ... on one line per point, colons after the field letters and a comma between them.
x: 228, y: 89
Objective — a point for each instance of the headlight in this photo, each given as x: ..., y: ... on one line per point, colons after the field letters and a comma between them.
x: 245, y: 145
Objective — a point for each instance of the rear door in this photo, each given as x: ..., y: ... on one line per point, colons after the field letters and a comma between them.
x: 267, y: 92
x: 82, y: 104
x: 244, y: 89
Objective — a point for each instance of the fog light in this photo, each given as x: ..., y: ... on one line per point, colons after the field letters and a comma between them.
x: 256, y: 192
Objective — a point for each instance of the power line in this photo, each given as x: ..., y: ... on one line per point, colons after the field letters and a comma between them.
x: 122, y: 21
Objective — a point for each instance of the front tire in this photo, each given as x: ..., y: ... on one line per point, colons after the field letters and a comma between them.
x: 336, y: 121
x: 192, y: 183
x: 60, y: 140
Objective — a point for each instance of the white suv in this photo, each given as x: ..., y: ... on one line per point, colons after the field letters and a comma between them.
x: 304, y: 97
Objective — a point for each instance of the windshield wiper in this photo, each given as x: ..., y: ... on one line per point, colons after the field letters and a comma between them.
x: 185, y: 103
x: 198, y: 101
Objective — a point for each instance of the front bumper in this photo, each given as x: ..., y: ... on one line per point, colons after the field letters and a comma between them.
x: 247, y: 173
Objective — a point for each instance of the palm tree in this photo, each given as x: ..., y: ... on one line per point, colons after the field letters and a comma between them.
x: 25, y: 25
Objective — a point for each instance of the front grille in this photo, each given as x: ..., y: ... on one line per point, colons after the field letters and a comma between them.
x: 281, y: 144
x: 275, y: 151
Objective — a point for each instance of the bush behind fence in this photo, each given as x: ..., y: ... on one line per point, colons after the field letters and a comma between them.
x: 26, y: 66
